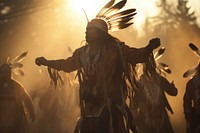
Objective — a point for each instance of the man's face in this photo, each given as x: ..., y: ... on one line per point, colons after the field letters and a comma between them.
x: 92, y: 34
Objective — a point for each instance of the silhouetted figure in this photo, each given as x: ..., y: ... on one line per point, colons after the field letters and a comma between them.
x: 150, y: 102
x: 103, y: 65
x: 15, y: 103
x: 191, y: 99
x: 56, y: 105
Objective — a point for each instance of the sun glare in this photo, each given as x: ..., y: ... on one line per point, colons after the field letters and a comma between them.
x: 91, y: 7
x: 144, y: 8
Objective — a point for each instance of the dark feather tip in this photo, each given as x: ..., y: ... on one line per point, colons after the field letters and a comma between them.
x: 161, y: 50
x: 193, y: 47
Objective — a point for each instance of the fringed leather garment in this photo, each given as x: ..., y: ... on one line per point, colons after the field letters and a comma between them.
x: 103, y: 89
x: 151, y: 104
x: 13, y: 97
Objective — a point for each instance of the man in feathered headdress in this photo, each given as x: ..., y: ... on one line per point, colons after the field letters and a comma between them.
x: 14, y: 100
x: 104, y: 68
x: 150, y: 102
x: 191, y: 99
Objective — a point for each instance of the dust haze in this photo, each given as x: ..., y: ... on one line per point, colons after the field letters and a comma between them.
x: 50, y: 33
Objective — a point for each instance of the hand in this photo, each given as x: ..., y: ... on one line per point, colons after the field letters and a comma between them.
x: 172, y: 83
x: 40, y: 61
x: 154, y: 43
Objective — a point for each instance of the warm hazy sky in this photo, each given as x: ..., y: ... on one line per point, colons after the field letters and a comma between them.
x: 49, y: 33
x: 144, y: 8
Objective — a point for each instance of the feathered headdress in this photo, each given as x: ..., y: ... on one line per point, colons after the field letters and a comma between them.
x: 196, y: 68
x: 15, y: 64
x: 152, y: 64
x: 162, y: 67
x: 110, y: 18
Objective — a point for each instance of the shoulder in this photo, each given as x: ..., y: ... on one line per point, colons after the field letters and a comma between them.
x: 17, y: 85
x: 118, y: 46
x: 190, y: 85
x: 190, y: 82
x: 122, y: 44
x: 78, y: 50
x: 127, y: 48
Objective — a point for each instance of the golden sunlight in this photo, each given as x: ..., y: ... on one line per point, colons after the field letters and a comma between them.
x: 144, y: 9
x: 91, y: 7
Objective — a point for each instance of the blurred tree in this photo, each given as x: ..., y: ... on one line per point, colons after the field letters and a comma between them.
x: 186, y: 18
x: 169, y: 20
x: 163, y: 23
x: 183, y: 13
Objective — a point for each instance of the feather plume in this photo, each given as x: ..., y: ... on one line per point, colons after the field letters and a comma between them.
x: 163, y: 72
x: 167, y: 69
x: 18, y: 72
x: 86, y: 15
x: 19, y: 58
x: 108, y: 5
x: 120, y: 14
x: 116, y: 7
x: 114, y: 19
x: 121, y: 21
x: 159, y: 53
x: 121, y: 18
x: 121, y: 26
x: 194, y: 49
x: 7, y: 60
x: 162, y: 65
x: 16, y: 65
x: 190, y: 71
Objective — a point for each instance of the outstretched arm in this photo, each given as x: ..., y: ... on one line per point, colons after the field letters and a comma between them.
x: 134, y: 55
x: 67, y: 65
